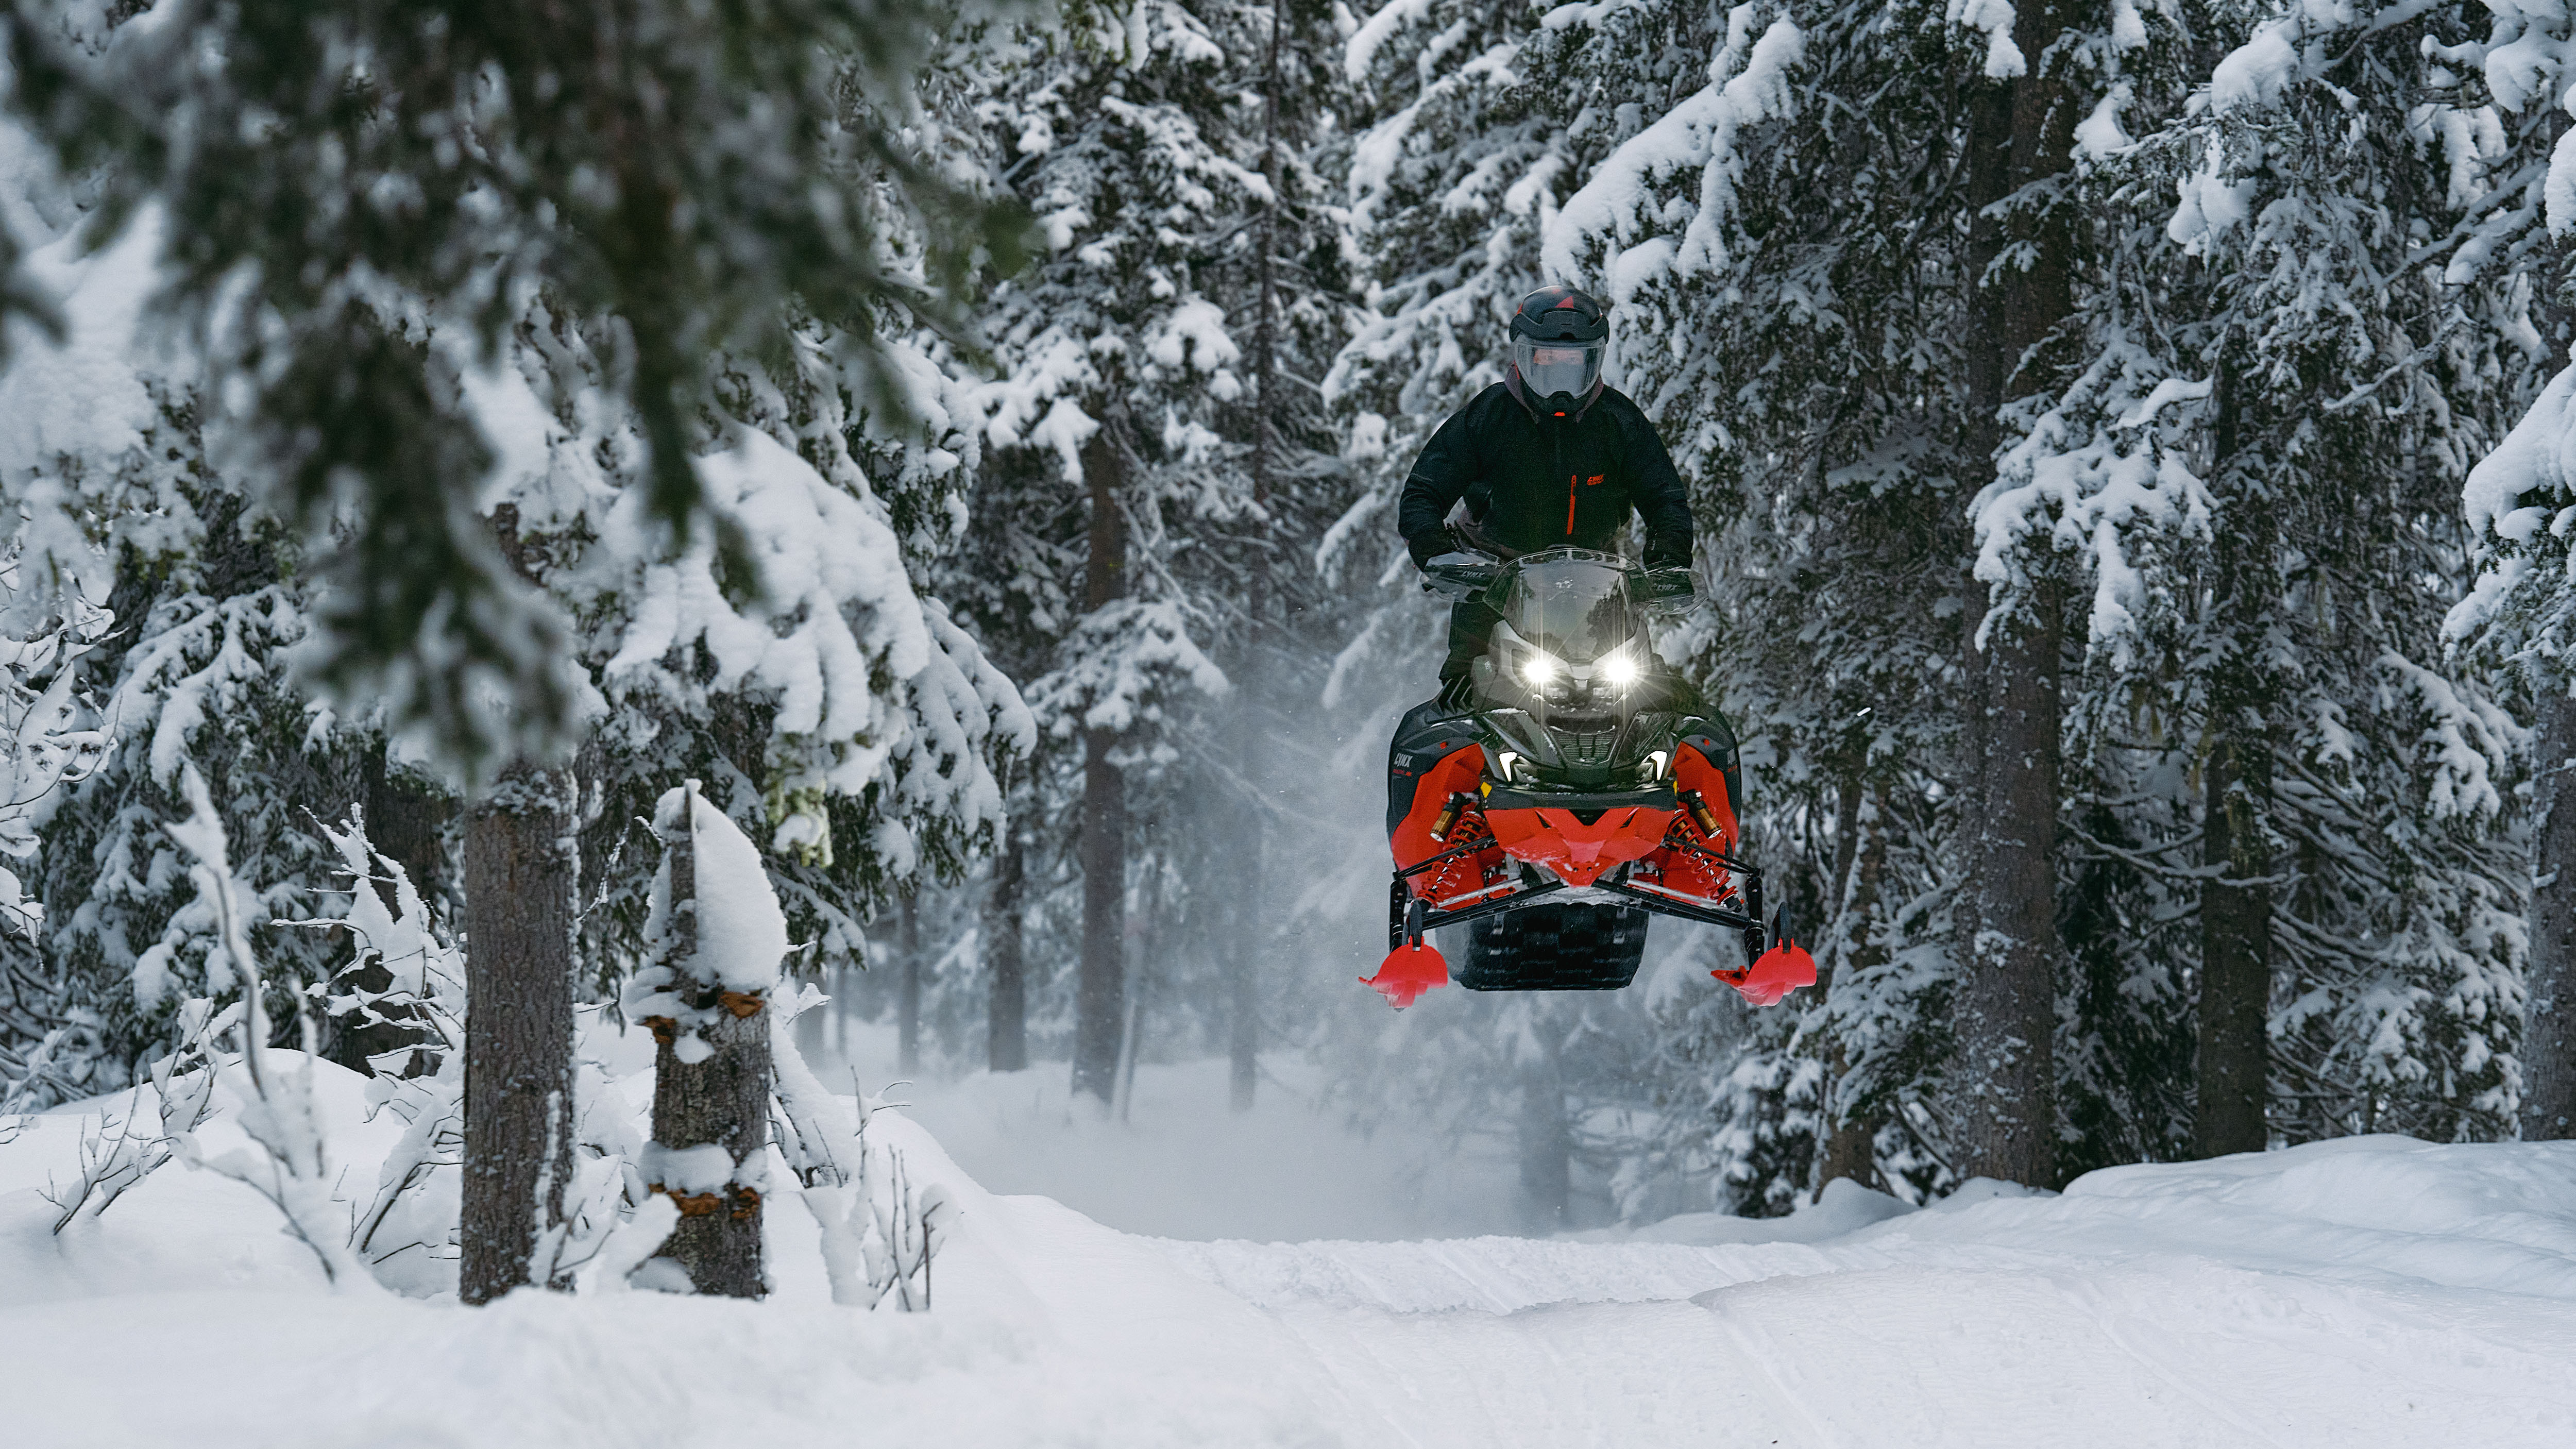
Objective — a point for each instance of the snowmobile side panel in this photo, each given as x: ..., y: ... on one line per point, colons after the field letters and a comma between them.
x: 1456, y: 773
x: 1427, y: 737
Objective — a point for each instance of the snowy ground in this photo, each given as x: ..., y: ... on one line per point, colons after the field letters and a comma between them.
x: 2353, y: 1294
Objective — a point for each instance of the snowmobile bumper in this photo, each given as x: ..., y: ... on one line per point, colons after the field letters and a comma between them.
x: 1478, y: 833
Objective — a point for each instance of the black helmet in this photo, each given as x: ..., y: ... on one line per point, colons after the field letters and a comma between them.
x: 1558, y: 336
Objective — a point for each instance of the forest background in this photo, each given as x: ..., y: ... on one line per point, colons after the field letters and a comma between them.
x: 2130, y: 449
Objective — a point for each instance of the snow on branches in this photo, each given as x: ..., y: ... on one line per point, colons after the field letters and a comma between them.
x: 880, y: 1227
x: 1122, y: 667
x: 1619, y: 207
x: 2088, y: 468
x: 51, y: 733
x: 329, y: 270
x: 287, y: 1160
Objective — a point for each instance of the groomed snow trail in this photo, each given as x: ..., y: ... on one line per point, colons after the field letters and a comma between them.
x: 2347, y: 1295
x: 2361, y: 1293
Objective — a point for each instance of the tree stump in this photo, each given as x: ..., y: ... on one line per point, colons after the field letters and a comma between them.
x: 710, y: 1088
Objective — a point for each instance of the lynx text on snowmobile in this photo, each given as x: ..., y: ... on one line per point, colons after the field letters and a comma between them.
x: 1580, y: 788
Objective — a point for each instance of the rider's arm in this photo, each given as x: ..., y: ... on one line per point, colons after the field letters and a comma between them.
x: 1655, y: 486
x: 1448, y: 463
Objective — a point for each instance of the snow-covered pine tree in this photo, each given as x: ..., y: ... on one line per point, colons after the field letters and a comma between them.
x: 52, y: 736
x: 1786, y: 246
x: 117, y: 500
x: 1457, y: 163
x: 1125, y: 422
x: 1280, y: 644
x: 2516, y: 499
x: 2349, y: 333
x: 347, y: 181
x: 479, y: 330
x: 1474, y: 126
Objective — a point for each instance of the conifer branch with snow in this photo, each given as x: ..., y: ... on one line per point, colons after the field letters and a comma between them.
x: 287, y: 1161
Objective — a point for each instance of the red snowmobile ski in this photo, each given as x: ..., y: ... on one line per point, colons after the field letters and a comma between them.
x: 1581, y: 789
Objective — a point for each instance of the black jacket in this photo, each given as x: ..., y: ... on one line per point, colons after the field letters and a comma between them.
x: 1536, y: 483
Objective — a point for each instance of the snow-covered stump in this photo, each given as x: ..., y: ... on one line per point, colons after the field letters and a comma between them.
x: 718, y: 936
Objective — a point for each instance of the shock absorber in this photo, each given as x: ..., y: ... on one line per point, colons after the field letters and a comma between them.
x: 1702, y: 816
x: 1448, y: 816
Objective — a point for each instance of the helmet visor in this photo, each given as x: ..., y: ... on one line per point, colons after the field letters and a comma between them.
x: 1550, y: 368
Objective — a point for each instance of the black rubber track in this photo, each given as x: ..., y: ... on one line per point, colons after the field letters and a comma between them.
x: 1555, y: 948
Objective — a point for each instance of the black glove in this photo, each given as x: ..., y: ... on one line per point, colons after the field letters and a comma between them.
x: 1457, y: 575
x: 1453, y: 558
x: 1669, y: 590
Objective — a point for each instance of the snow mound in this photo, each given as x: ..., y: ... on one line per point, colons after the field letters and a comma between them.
x: 2360, y: 1293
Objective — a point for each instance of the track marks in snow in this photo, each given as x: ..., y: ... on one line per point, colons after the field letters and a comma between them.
x: 1625, y: 1374
x: 1937, y: 1357
x: 1754, y: 1360
x: 1491, y: 1275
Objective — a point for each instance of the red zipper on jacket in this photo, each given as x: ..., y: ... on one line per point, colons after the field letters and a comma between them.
x: 1569, y: 504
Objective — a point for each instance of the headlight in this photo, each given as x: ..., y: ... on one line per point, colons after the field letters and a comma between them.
x: 1621, y: 668
x: 1540, y: 667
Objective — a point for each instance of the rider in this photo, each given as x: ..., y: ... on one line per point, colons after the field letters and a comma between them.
x: 1546, y: 458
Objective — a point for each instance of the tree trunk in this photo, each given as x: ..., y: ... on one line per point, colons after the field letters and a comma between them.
x: 2235, y: 1005
x: 908, y: 1000
x: 1546, y: 1148
x: 720, y: 1099
x: 2007, y: 1002
x: 1243, y: 994
x: 1007, y: 1037
x: 1860, y: 857
x: 1130, y: 1042
x: 2549, y: 1023
x: 1100, y: 990
x: 1989, y: 177
x: 521, y: 874
x: 1243, y: 963
x: 2235, y: 967
x: 2007, y: 1006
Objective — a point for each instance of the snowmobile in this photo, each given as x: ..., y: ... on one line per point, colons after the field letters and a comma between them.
x: 1580, y: 788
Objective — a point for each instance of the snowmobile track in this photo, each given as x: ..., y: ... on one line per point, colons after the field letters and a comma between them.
x: 1555, y: 948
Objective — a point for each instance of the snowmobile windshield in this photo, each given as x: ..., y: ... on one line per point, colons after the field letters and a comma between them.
x: 1571, y: 604
x: 1557, y: 371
